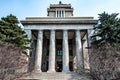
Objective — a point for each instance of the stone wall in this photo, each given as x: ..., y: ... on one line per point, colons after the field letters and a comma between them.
x: 105, y: 63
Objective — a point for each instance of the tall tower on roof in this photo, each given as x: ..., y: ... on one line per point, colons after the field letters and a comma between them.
x: 60, y: 10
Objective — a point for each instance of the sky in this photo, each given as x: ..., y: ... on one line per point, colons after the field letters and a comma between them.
x: 38, y: 8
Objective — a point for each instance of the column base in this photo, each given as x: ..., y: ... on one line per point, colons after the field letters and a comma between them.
x: 37, y: 71
x: 65, y: 71
x: 51, y: 71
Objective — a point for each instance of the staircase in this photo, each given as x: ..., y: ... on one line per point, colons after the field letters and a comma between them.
x: 55, y: 76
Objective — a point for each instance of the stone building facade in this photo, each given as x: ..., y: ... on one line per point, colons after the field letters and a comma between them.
x: 59, y: 41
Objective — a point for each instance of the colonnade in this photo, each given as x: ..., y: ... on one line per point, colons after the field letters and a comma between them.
x: 65, y: 56
x: 60, y: 13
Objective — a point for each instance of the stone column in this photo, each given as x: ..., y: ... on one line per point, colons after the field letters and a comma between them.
x: 64, y: 13
x: 38, y: 58
x: 52, y: 52
x: 86, y: 46
x: 90, y: 32
x: 79, y: 55
x: 29, y: 35
x: 56, y: 13
x: 65, y: 52
x: 61, y: 13
x: 86, y: 55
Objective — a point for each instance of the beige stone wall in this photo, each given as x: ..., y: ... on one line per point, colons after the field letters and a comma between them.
x: 68, y: 14
x: 52, y: 14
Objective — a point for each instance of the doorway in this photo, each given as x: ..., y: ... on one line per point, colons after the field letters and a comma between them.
x: 59, y: 66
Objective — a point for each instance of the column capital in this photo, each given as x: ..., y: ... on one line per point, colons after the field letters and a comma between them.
x: 65, y: 29
x: 52, y: 30
x: 40, y: 32
x: 40, y: 29
x: 77, y: 29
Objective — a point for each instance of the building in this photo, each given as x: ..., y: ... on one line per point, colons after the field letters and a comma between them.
x: 60, y: 41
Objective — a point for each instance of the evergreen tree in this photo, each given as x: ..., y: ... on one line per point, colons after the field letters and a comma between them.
x: 108, y: 30
x: 11, y: 33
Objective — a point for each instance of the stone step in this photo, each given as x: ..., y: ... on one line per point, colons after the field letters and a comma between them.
x: 55, y: 76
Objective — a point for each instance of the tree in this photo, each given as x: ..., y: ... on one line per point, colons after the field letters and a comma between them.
x: 11, y: 33
x: 108, y: 29
x: 104, y: 54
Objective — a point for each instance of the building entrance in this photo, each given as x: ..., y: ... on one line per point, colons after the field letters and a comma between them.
x: 59, y: 66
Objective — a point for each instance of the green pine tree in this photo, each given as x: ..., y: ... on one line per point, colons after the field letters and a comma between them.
x: 108, y: 30
x: 11, y: 33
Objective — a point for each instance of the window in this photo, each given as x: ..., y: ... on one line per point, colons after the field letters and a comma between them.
x: 59, y: 52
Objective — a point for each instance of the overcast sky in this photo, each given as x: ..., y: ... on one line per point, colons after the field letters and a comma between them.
x: 38, y: 8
